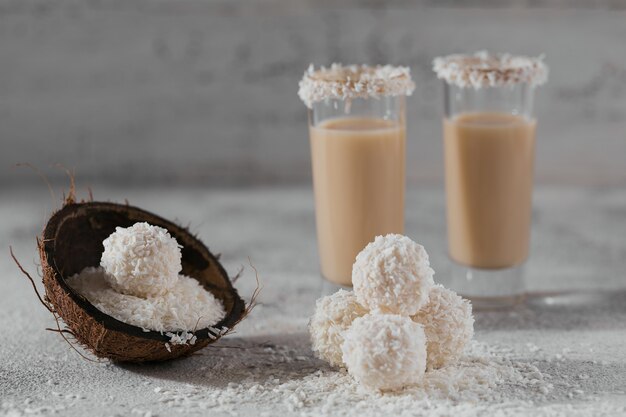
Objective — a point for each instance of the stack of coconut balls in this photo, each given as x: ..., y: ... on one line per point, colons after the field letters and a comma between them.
x: 397, y: 323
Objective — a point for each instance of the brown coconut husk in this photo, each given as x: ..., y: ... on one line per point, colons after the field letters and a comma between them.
x: 72, y: 240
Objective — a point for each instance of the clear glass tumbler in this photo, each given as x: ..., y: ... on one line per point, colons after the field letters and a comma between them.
x: 489, y: 142
x: 358, y: 160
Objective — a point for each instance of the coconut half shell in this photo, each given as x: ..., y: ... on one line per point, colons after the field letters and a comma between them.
x: 72, y: 240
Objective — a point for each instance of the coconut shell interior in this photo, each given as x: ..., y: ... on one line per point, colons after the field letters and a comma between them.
x: 72, y: 240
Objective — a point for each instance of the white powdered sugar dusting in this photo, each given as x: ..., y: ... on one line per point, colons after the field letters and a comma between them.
x: 354, y: 81
x: 483, y: 69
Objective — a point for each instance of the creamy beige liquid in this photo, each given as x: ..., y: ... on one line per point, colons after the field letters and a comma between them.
x: 358, y: 178
x: 489, y: 175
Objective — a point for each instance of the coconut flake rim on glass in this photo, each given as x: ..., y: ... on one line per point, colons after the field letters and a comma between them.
x: 357, y: 133
x: 489, y: 142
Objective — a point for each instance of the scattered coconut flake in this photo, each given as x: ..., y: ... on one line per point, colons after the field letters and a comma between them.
x: 483, y: 69
x: 449, y: 326
x: 187, y: 306
x: 385, y: 352
x: 486, y: 381
x: 489, y: 380
x: 184, y: 338
x: 141, y: 260
x: 332, y: 317
x: 392, y: 274
x: 354, y: 81
x: 533, y: 348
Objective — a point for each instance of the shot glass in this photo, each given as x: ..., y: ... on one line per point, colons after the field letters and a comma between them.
x: 358, y: 137
x: 489, y: 145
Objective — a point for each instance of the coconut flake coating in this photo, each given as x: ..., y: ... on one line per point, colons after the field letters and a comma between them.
x: 448, y: 324
x: 141, y: 260
x: 333, y: 316
x: 392, y: 275
x: 345, y: 82
x: 385, y: 352
x: 186, y: 306
x: 483, y: 69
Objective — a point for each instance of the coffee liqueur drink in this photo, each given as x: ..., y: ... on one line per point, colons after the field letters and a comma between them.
x: 489, y: 141
x: 489, y: 176
x: 357, y: 136
x: 358, y: 177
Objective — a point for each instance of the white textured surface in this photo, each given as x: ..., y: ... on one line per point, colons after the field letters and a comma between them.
x: 579, y: 242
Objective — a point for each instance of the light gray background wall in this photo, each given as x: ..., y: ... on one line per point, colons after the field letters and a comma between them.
x: 204, y: 91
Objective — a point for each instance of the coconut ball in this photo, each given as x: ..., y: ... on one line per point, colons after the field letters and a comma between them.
x: 448, y: 324
x: 141, y: 260
x: 392, y: 275
x: 385, y: 352
x: 333, y: 315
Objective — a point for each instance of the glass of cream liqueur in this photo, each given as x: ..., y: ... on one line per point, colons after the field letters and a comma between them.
x: 357, y: 131
x: 489, y: 142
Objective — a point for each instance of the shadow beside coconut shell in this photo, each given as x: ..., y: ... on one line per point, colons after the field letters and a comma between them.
x: 235, y: 359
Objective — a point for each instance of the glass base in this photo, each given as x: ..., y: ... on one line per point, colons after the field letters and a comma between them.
x: 562, y: 299
x: 489, y: 289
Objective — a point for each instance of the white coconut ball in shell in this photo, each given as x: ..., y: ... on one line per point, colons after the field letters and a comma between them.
x: 448, y: 324
x: 385, y: 352
x: 333, y: 316
x: 392, y: 275
x: 141, y: 260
